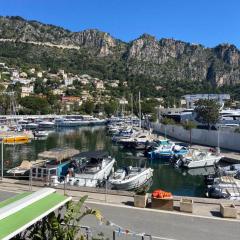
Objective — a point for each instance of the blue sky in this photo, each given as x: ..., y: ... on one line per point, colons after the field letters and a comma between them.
x: 208, y: 22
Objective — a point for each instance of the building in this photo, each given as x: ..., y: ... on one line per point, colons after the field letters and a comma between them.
x: 22, y: 81
x: 23, y: 75
x: 192, y: 98
x: 2, y: 65
x: 98, y: 84
x: 68, y: 81
x: 57, y: 91
x: 27, y: 90
x: 70, y: 101
x: 84, y: 81
x: 15, y: 74
x: 32, y: 70
x: 39, y: 74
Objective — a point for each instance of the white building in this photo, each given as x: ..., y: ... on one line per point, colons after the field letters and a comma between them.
x: 27, y: 90
x: 15, y: 74
x: 84, y: 81
x: 22, y: 81
x: 23, y: 75
x: 68, y: 81
x: 39, y: 74
x: 98, y: 84
x: 192, y: 98
x: 57, y: 92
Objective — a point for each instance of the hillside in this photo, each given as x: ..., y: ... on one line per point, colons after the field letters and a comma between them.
x: 166, y: 62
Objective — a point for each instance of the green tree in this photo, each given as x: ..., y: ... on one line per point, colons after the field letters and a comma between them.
x: 207, y: 111
x: 110, y: 107
x: 35, y: 105
x: 88, y: 107
x: 189, y: 125
x: 168, y: 121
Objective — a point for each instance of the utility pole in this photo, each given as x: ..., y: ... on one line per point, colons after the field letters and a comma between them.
x: 2, y: 162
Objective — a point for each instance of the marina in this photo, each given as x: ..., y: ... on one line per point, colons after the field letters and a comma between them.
x: 96, y: 138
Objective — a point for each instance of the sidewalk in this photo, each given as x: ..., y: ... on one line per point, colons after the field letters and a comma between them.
x: 203, y: 207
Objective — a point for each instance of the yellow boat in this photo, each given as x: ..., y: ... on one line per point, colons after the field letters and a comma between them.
x: 16, y: 139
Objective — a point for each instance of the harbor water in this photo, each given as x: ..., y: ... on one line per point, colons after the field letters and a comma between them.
x: 166, y: 177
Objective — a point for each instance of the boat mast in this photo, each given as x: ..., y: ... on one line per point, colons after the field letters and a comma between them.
x: 132, y: 109
x: 140, y: 114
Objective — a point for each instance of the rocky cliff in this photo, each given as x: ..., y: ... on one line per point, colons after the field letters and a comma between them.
x: 161, y: 60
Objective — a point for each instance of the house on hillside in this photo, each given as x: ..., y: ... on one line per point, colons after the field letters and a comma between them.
x: 68, y: 102
x: 98, y: 84
x: 27, y: 91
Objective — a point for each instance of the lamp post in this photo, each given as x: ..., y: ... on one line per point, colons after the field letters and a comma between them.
x: 2, y: 161
x: 218, y: 140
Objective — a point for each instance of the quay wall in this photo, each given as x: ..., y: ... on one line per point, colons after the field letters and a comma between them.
x: 227, y: 139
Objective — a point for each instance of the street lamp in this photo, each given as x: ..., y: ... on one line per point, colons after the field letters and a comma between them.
x: 2, y: 161
x: 218, y: 140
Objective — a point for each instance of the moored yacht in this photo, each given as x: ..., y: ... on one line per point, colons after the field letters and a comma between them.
x: 92, y: 168
x: 139, y: 140
x: 197, y: 158
x: 46, y: 124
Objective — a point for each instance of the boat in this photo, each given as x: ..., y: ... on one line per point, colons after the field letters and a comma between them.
x: 78, y: 120
x: 130, y: 178
x: 123, y: 133
x: 25, y: 166
x: 40, y: 134
x: 46, y: 124
x: 165, y: 148
x: 31, y: 125
x: 92, y: 168
x: 229, y: 170
x: 224, y: 187
x: 27, y: 125
x: 56, y: 165
x: 140, y: 140
x: 196, y: 158
x: 14, y: 138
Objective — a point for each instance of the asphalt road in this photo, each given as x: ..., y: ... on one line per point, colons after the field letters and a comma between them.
x: 4, y: 195
x: 163, y: 225
x: 159, y: 225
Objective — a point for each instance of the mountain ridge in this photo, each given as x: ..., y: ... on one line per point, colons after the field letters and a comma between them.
x: 160, y: 60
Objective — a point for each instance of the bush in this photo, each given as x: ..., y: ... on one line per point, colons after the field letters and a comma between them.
x: 168, y: 121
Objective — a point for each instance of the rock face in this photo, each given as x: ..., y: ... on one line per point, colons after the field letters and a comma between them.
x: 167, y: 59
x: 32, y: 31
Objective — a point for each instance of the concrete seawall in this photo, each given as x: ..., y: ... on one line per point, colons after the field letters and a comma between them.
x: 227, y: 139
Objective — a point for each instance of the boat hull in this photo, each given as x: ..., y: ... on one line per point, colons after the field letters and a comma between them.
x: 202, y: 163
x: 134, y: 183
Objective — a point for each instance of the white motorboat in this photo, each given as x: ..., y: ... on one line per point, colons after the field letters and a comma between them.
x: 93, y: 168
x: 46, y: 124
x: 25, y: 167
x: 139, y: 140
x: 130, y: 178
x: 31, y: 125
x: 41, y: 134
x: 197, y: 158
